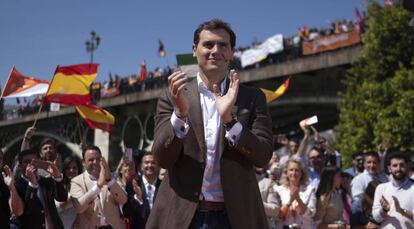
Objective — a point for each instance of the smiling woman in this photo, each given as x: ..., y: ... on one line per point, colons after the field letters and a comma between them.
x: 297, y: 202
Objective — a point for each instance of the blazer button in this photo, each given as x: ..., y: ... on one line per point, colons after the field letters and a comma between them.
x: 43, y: 225
x: 42, y: 211
x: 196, y: 194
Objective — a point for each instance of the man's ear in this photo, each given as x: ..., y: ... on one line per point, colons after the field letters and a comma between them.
x: 389, y: 169
x: 194, y: 48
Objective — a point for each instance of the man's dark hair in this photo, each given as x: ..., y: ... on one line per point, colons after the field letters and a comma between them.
x: 25, y: 153
x: 48, y: 141
x: 357, y: 154
x: 213, y: 25
x: 398, y: 155
x: 90, y: 147
x: 371, y: 154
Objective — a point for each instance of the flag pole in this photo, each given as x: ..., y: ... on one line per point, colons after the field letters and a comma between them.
x: 79, y: 130
x: 42, y: 102
x: 37, y: 115
x: 7, y: 81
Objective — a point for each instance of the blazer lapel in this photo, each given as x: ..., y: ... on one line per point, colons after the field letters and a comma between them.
x: 195, y: 114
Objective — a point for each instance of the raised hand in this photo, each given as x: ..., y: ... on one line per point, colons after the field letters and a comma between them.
x: 384, y: 204
x: 31, y: 173
x: 29, y: 132
x: 104, y: 174
x: 176, y: 85
x: 226, y: 102
x: 8, y: 176
x: 137, y: 190
x: 397, y: 204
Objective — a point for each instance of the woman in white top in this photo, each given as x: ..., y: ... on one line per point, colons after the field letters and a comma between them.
x: 296, y: 201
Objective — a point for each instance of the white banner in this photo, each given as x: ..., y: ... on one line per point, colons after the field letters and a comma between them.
x: 254, y: 55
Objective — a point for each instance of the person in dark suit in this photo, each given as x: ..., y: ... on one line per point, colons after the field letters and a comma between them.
x: 210, y: 133
x: 142, y: 192
x: 39, y: 193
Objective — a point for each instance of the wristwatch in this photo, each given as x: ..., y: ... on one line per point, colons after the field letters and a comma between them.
x: 230, y: 124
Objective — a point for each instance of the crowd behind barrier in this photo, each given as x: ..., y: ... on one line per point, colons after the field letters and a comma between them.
x: 149, y: 80
x: 305, y: 187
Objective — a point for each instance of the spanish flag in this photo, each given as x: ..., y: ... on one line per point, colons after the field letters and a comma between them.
x: 96, y: 117
x: 272, y: 95
x: 70, y: 84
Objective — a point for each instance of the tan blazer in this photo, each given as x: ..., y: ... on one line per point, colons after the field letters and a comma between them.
x: 178, y: 195
x: 89, y: 205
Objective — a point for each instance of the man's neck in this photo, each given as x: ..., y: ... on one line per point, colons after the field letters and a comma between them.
x: 398, y: 182
x: 150, y: 179
x: 211, y: 78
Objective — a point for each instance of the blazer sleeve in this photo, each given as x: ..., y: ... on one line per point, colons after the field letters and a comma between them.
x: 81, y: 199
x: 60, y: 193
x: 256, y: 140
x: 167, y: 146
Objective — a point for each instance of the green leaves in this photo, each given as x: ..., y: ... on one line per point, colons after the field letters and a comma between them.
x: 379, y: 98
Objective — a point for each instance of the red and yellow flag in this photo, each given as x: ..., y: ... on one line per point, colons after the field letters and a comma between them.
x: 19, y: 85
x: 272, y: 95
x: 70, y: 84
x: 96, y: 117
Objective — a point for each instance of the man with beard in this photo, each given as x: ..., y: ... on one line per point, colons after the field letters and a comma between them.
x: 96, y: 196
x: 136, y: 209
x: 47, y: 150
x: 394, y: 201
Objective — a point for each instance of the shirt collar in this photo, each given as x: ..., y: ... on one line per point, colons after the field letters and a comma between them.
x: 91, y: 176
x: 146, y: 183
x: 202, y: 87
x: 402, y: 185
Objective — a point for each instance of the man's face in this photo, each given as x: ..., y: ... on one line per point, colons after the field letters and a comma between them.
x: 148, y: 166
x: 358, y: 162
x: 292, y: 147
x: 47, y: 152
x: 398, y: 169
x: 213, y: 51
x: 316, y: 160
x: 370, y: 164
x: 91, y: 162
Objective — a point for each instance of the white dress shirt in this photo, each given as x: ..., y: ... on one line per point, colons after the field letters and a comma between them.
x: 211, y: 189
x: 150, y: 190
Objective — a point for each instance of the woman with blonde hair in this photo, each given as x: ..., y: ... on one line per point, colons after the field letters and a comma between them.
x: 296, y: 198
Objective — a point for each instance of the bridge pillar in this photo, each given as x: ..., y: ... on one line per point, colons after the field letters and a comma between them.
x: 102, y: 141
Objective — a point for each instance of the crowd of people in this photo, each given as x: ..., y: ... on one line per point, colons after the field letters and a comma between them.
x: 306, y: 188
x: 310, y: 189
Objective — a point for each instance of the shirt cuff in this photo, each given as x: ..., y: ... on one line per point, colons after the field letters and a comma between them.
x: 233, y: 135
x: 96, y: 189
x: 110, y: 183
x: 33, y: 185
x: 139, y: 201
x: 180, y: 126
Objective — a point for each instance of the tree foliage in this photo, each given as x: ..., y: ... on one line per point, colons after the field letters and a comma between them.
x: 379, y: 98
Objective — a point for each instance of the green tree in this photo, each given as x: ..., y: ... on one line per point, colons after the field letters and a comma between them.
x: 379, y: 98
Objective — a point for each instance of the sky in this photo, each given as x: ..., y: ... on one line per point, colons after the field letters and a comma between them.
x: 36, y: 36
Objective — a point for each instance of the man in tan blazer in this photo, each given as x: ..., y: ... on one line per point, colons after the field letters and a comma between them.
x: 209, y: 134
x: 95, y: 195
